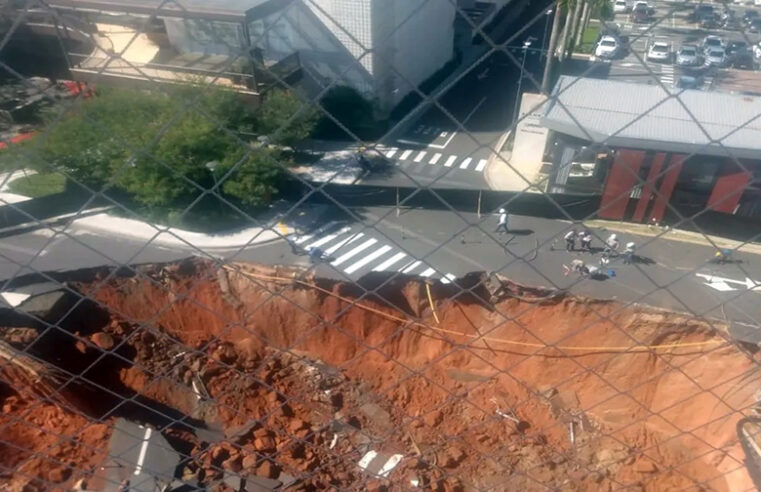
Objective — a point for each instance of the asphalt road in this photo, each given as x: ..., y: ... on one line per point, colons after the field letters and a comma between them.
x: 442, y: 245
x: 673, y: 25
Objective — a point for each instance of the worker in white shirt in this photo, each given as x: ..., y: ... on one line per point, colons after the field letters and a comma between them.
x: 611, y: 246
x: 570, y: 240
x: 502, y: 224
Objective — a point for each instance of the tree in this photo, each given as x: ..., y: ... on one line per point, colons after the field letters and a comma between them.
x: 254, y: 180
x: 158, y: 146
x: 285, y: 118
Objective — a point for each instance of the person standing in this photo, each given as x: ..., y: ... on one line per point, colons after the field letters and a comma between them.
x: 502, y: 224
x: 629, y: 253
x: 570, y: 240
x: 586, y: 241
x: 611, y: 246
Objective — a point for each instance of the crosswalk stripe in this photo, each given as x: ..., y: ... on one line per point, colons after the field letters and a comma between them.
x: 435, y: 159
x: 420, y: 156
x: 391, y: 152
x: 319, y: 231
x: 386, y: 264
x: 411, y: 267
x: 304, y: 238
x: 328, y: 238
x: 465, y: 163
x: 354, y: 252
x: 447, y: 279
x: 428, y: 272
x: 367, y: 259
x: 340, y: 244
x: 450, y: 161
x: 481, y: 165
x: 405, y: 154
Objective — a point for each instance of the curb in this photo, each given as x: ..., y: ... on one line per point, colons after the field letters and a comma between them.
x: 676, y: 235
x: 171, y: 237
x: 39, y: 224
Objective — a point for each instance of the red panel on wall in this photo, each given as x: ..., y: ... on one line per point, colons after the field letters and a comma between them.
x: 673, y: 168
x: 728, y: 189
x: 648, y: 186
x: 622, y: 177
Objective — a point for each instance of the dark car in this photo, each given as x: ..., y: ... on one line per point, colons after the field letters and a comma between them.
x: 735, y: 46
x: 701, y: 12
x: 689, y: 82
x: 754, y: 25
x: 749, y: 15
x: 640, y: 14
x: 742, y: 58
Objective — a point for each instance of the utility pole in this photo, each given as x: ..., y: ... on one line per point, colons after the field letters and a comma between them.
x: 551, y: 48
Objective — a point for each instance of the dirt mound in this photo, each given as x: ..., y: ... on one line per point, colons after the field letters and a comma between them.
x: 303, y: 377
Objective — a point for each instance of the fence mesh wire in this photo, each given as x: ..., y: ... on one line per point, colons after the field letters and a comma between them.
x: 252, y: 245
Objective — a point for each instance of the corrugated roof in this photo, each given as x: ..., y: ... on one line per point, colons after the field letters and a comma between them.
x: 650, y: 117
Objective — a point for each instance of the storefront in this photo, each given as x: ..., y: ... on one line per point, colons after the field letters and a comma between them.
x: 657, y: 152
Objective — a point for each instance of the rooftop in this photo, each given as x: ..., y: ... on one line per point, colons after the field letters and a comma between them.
x: 222, y: 10
x: 651, y: 117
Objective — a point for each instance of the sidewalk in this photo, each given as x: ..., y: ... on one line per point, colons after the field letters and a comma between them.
x: 674, y: 235
x: 6, y: 179
x: 169, y: 236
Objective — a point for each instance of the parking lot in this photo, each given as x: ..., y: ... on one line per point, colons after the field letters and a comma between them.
x: 679, y: 24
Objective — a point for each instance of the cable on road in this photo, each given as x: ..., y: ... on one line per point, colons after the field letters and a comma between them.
x: 579, y: 348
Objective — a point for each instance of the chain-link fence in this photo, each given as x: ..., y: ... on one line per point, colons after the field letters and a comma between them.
x: 379, y: 245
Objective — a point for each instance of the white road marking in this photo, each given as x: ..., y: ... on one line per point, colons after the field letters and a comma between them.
x: 446, y: 279
x: 428, y: 272
x: 354, y: 252
x: 435, y: 159
x: 405, y: 154
x: 21, y: 249
x: 388, y: 263
x: 328, y: 238
x: 722, y: 283
x: 465, y: 163
x: 410, y: 267
x: 391, y: 152
x: 472, y: 111
x: 450, y: 161
x: 303, y: 238
x: 367, y: 259
x: 481, y: 165
x: 420, y: 156
x: 346, y: 241
x: 143, y: 451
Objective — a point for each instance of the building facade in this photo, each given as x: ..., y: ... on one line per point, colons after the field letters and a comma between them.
x: 656, y: 153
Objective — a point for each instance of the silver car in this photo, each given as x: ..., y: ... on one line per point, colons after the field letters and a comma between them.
x: 687, y: 56
x: 716, y: 57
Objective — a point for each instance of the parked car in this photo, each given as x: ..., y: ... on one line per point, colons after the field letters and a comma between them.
x: 741, y: 57
x: 735, y: 46
x: 702, y: 11
x: 620, y: 7
x: 641, y: 13
x: 716, y: 57
x: 660, y: 52
x: 712, y: 42
x: 730, y: 21
x: 608, y: 47
x: 749, y: 15
x: 688, y: 56
x: 754, y: 25
x: 689, y: 82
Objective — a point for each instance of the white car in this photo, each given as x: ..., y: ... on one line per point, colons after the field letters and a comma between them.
x: 607, y: 47
x: 660, y: 52
x: 620, y: 7
x: 716, y: 57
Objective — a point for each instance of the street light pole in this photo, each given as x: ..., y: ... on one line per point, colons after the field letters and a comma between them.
x: 547, y: 16
x: 526, y: 45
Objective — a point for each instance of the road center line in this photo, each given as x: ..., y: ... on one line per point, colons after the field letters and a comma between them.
x: 143, y: 451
